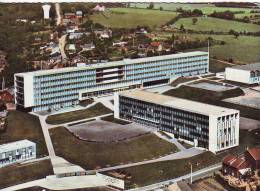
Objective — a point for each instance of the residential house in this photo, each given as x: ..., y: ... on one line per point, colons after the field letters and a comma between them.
x: 253, y: 157
x: 87, y: 47
x: 235, y: 166
x: 99, y: 8
x: 6, y: 96
x: 79, y: 14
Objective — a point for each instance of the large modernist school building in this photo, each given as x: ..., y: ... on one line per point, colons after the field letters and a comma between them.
x: 58, y: 88
x: 207, y: 126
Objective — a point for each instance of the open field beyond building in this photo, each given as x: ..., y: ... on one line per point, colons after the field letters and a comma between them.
x: 94, y: 111
x: 204, y: 7
x: 92, y: 155
x: 217, y: 25
x: 155, y: 172
x: 130, y: 18
x: 233, y: 48
x: 21, y: 173
x: 22, y: 125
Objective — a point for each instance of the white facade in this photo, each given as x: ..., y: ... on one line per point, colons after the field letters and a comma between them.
x: 237, y: 75
x: 17, y: 152
x: 248, y: 74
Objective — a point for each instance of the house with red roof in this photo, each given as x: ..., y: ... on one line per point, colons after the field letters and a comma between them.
x: 235, y: 166
x: 6, y: 96
x: 253, y: 157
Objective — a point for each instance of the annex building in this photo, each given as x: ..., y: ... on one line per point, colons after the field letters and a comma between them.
x: 57, y: 88
x: 249, y: 74
x: 16, y: 152
x: 211, y: 127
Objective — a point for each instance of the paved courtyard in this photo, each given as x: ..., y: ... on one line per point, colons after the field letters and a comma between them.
x: 250, y: 99
x: 212, y: 87
x: 250, y: 124
x: 104, y: 131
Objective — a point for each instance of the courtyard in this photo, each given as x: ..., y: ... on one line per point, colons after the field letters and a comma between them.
x: 105, y: 131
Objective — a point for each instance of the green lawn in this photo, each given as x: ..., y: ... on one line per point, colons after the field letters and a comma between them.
x: 205, y: 8
x: 243, y: 50
x: 130, y: 18
x: 94, y: 111
x: 91, y: 155
x: 156, y: 172
x: 17, y: 174
x: 24, y: 126
x: 217, y: 25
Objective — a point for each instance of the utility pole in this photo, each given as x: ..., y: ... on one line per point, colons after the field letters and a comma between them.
x: 3, y: 83
x: 190, y: 172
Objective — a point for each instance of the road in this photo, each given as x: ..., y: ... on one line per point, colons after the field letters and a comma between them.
x: 62, y: 43
x: 57, y: 8
x: 196, y: 175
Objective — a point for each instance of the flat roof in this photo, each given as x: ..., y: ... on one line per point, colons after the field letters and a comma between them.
x: 115, y: 63
x: 15, y: 145
x: 248, y: 67
x: 178, y: 103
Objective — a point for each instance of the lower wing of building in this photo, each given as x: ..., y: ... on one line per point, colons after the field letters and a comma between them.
x: 207, y: 126
x: 58, y: 88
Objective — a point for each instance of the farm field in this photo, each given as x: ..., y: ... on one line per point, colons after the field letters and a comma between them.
x: 130, y: 17
x: 243, y: 50
x: 216, y: 25
x: 204, y: 7
x: 92, y: 155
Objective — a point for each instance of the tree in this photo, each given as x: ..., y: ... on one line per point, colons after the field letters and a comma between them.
x: 194, y: 20
x: 151, y: 6
x: 161, y: 8
x: 182, y: 27
x: 236, y: 34
x: 197, y: 12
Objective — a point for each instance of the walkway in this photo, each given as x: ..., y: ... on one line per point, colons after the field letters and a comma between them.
x: 172, y: 140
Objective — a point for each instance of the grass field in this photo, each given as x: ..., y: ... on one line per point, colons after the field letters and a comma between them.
x: 96, y: 110
x: 92, y: 155
x: 243, y: 50
x: 205, y: 8
x: 130, y: 18
x: 156, y: 172
x: 217, y: 25
x: 22, y: 125
x: 17, y: 174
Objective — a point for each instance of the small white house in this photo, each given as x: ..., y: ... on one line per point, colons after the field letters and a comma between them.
x: 248, y: 74
x: 17, y: 152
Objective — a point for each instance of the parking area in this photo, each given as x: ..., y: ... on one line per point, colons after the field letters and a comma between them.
x: 105, y: 131
x: 212, y: 86
x: 249, y: 124
x: 250, y: 99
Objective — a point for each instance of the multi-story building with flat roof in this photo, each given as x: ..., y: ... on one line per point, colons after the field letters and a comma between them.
x: 248, y: 74
x: 57, y: 88
x: 16, y: 152
x: 211, y: 127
